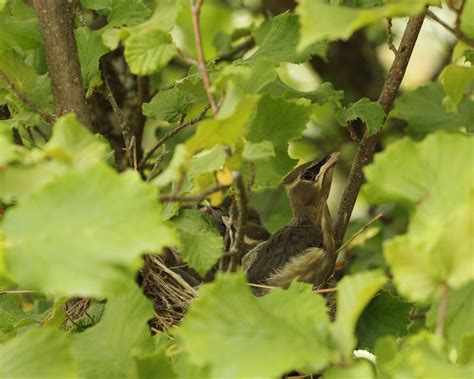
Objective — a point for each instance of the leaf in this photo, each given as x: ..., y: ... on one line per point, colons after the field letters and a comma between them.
x: 153, y: 364
x: 240, y: 336
x: 455, y: 79
x: 201, y: 244
x: 279, y: 44
x: 107, y: 349
x: 459, y: 315
x: 466, y: 352
x: 83, y: 231
x: 433, y: 251
x: 359, y: 369
x: 277, y: 120
x: 225, y: 130
x: 370, y: 112
x: 258, y: 151
x: 175, y: 168
x: 208, y: 161
x: 168, y: 105
x: 424, y: 112
x: 467, y: 23
x: 148, y: 50
x: 384, y: 315
x: 10, y: 313
x: 127, y: 12
x: 320, y: 20
x: 90, y: 49
x: 353, y: 294
x: 38, y: 353
x: 19, y: 34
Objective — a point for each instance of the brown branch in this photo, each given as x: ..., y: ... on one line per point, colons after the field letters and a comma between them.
x: 186, y: 59
x: 194, y: 198
x: 16, y: 292
x: 196, y: 10
x: 170, y: 134
x: 366, y: 148
x: 359, y: 232
x: 443, y: 310
x: 456, y: 31
x: 238, y: 246
x: 45, y: 116
x: 56, y: 23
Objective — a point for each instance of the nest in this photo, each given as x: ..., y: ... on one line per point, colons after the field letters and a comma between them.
x: 169, y: 287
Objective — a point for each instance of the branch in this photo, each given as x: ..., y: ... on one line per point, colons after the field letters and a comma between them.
x: 360, y: 231
x: 456, y: 31
x: 366, y: 148
x: 238, y: 245
x: 171, y: 133
x: 390, y: 44
x: 56, y: 23
x: 237, y: 52
x: 197, y: 198
x: 45, y: 116
x: 196, y: 9
x: 443, y: 310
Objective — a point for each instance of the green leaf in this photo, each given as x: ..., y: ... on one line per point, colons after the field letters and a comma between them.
x: 208, y: 160
x: 279, y: 121
x: 279, y: 44
x: 201, y: 244
x: 353, y: 294
x: 358, y: 370
x: 90, y: 49
x: 258, y: 151
x: 166, y: 12
x: 320, y: 20
x: 240, y: 336
x: 19, y: 34
x: 38, y: 353
x: 168, y: 105
x: 459, y: 315
x: 148, y: 50
x: 384, y: 315
x: 469, y: 55
x: 433, y: 252
x: 467, y: 19
x: 174, y: 170
x: 424, y: 111
x: 107, y: 349
x: 10, y: 313
x: 153, y: 364
x: 455, y: 80
x: 466, y: 352
x: 370, y: 112
x: 83, y: 231
x: 127, y: 12
x: 223, y: 130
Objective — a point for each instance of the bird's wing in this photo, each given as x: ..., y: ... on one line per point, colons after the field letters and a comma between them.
x: 289, y: 241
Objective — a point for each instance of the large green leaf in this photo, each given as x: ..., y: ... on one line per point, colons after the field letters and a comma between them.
x: 127, y: 12
x: 467, y: 19
x: 10, y: 313
x: 168, y: 105
x: 90, y: 49
x: 201, y: 245
x: 455, y: 80
x: 148, y: 50
x: 279, y: 44
x: 433, y: 177
x: 321, y: 20
x: 424, y: 111
x: 458, y: 322
x: 384, y: 315
x: 277, y: 120
x: 361, y: 369
x: 353, y: 294
x: 107, y: 350
x: 78, y: 234
x: 38, y: 353
x: 19, y: 34
x: 240, y: 336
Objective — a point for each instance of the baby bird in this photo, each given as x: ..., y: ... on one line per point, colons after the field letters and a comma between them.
x: 304, y: 248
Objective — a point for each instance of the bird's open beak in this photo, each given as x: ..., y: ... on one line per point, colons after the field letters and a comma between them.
x: 319, y: 167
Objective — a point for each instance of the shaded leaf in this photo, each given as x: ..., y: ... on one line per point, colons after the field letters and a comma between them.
x: 168, y: 105
x: 370, y: 112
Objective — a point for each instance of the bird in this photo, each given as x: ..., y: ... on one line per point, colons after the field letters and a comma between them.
x: 303, y: 249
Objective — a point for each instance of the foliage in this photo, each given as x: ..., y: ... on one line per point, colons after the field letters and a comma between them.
x: 80, y: 204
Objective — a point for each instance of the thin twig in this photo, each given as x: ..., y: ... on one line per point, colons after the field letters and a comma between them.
x: 194, y: 198
x: 45, y: 116
x: 366, y: 148
x: 157, y: 163
x: 361, y: 230
x: 390, y: 44
x: 178, y: 278
x: 443, y: 310
x: 30, y: 134
x: 16, y: 292
x: 252, y: 175
x: 456, y: 31
x: 170, y: 134
x: 196, y: 10
x: 187, y: 59
x: 238, y: 246
x: 324, y: 290
x: 237, y: 52
x: 40, y: 132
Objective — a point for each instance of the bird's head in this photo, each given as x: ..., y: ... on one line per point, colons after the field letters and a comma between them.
x: 308, y: 185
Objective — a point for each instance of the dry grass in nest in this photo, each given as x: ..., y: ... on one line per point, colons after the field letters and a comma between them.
x: 170, y: 293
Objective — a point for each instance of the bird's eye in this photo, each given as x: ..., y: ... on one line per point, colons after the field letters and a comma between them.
x: 307, y: 176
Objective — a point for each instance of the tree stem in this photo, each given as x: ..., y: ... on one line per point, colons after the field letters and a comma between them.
x: 443, y: 310
x: 366, y: 147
